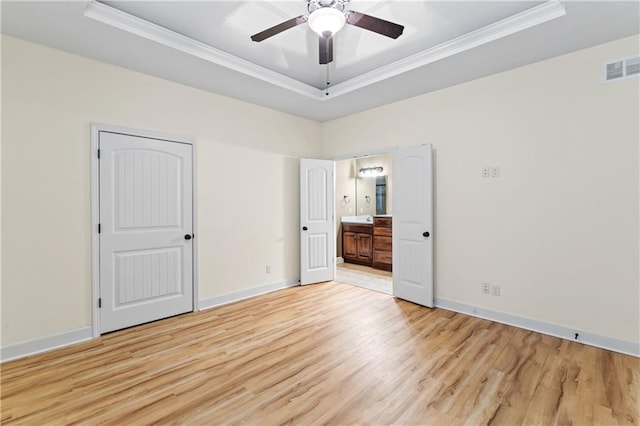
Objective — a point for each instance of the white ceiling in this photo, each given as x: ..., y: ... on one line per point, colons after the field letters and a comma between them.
x: 207, y: 45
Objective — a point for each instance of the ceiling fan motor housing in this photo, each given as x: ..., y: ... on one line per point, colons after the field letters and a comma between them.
x: 313, y: 5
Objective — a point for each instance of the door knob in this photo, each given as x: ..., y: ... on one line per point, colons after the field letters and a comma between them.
x: 425, y: 234
x: 187, y: 236
x: 304, y: 228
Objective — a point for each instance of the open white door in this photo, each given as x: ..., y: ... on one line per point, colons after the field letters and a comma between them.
x: 317, y: 237
x: 413, y: 225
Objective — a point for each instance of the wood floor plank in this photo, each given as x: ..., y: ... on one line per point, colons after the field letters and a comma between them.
x: 322, y: 354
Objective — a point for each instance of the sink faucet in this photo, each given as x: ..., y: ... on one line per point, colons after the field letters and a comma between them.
x: 369, y: 218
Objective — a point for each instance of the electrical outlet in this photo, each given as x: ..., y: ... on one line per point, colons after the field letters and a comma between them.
x: 495, y: 289
x: 268, y: 269
x: 486, y: 288
x: 495, y: 171
x: 485, y: 172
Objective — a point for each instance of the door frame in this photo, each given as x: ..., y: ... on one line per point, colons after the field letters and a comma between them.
x: 96, y: 128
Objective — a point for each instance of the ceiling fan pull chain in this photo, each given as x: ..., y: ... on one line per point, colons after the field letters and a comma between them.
x: 328, y: 82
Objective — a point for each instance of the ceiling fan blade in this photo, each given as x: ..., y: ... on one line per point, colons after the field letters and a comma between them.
x: 263, y: 35
x: 326, y: 49
x: 374, y: 24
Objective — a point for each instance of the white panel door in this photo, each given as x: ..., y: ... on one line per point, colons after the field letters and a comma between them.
x: 413, y: 225
x: 146, y: 244
x: 317, y: 237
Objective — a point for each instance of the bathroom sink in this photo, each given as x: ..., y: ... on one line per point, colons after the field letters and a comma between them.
x: 357, y: 219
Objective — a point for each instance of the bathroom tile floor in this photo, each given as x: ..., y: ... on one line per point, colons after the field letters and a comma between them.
x: 364, y: 276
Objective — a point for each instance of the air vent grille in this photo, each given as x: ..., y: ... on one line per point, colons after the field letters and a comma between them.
x: 615, y: 70
x: 622, y: 68
x: 632, y: 66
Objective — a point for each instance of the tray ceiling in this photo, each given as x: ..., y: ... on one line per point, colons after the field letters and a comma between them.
x: 294, y: 53
x: 207, y: 44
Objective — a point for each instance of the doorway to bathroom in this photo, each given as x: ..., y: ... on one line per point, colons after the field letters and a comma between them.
x: 397, y: 241
x: 364, y: 212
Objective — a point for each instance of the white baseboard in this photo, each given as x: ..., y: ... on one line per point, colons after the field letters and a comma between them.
x: 44, y: 344
x: 246, y: 293
x: 592, y: 339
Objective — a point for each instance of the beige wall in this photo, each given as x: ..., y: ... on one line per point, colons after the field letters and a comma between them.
x: 247, y: 177
x: 558, y: 230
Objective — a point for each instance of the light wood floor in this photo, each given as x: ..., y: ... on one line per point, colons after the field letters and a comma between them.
x: 323, y: 354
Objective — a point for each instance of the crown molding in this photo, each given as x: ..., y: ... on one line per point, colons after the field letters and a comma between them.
x: 132, y: 24
x: 521, y: 21
x: 529, y: 18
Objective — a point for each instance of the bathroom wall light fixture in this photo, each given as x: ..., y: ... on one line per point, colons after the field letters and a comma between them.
x: 371, y: 171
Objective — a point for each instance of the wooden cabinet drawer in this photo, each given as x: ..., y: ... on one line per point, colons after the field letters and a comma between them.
x: 382, y: 221
x: 357, y: 228
x: 382, y: 243
x: 379, y: 230
x: 382, y: 257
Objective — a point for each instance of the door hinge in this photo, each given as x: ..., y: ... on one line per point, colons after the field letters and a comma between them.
x: 100, y: 302
x: 98, y: 154
x: 99, y: 228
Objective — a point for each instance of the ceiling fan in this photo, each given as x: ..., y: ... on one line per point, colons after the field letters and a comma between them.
x: 327, y: 17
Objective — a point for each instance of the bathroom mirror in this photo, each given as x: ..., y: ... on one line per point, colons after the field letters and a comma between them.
x: 371, y: 195
x: 363, y: 186
x: 372, y: 177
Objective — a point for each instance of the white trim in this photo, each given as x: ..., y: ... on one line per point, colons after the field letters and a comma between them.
x: 145, y: 29
x: 247, y: 293
x: 521, y: 21
x: 588, y: 338
x: 44, y: 344
x: 371, y: 153
x: 536, y: 15
x: 96, y: 128
x: 95, y: 219
x: 194, y: 227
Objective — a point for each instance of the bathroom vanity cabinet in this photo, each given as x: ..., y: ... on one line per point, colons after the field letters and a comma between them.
x: 357, y: 243
x: 382, y: 254
x: 368, y: 244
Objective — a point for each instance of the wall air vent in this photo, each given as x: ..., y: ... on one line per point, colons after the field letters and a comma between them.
x: 632, y: 66
x: 621, y: 69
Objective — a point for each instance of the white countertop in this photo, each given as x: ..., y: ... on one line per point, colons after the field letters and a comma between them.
x: 357, y: 219
x: 361, y: 219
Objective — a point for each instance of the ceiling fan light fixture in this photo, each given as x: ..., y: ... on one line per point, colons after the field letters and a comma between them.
x: 326, y: 19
